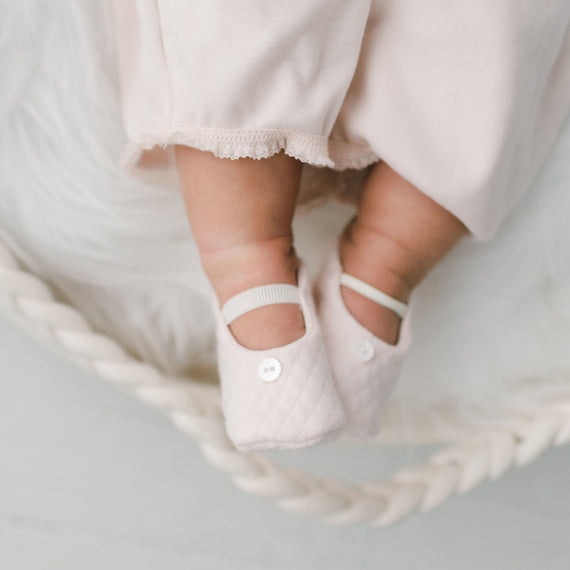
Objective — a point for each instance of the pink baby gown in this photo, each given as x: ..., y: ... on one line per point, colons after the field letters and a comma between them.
x: 464, y: 99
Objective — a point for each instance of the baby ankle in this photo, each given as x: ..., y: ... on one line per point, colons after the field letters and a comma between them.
x: 235, y: 269
x: 380, y: 261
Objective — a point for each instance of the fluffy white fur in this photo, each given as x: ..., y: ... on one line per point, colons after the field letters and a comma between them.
x: 492, y: 318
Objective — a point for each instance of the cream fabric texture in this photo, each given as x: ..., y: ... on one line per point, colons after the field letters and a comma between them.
x: 464, y: 99
x: 365, y: 369
x: 299, y: 407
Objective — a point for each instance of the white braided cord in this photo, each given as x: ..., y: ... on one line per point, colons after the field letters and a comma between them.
x: 521, y: 435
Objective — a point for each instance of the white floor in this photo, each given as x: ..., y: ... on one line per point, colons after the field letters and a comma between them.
x: 91, y: 479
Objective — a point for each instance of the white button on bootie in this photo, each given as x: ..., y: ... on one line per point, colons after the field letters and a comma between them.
x: 365, y: 368
x: 279, y: 398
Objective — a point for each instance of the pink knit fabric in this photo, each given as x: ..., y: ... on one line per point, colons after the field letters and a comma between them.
x: 464, y: 99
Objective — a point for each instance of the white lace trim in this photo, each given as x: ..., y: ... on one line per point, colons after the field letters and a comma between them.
x: 313, y: 149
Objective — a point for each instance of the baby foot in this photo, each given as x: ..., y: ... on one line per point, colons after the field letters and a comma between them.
x: 360, y: 256
x: 282, y: 397
x: 239, y: 268
x: 271, y: 326
x: 364, y: 366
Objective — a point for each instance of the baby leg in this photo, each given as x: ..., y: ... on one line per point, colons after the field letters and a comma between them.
x: 240, y: 213
x: 397, y: 236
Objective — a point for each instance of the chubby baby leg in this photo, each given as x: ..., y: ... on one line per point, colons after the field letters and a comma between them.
x: 397, y: 236
x: 240, y: 213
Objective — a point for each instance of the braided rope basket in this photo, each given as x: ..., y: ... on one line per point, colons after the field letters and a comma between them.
x: 471, y: 456
x: 67, y: 129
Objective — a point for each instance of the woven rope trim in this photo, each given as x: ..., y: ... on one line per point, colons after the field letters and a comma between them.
x: 520, y: 437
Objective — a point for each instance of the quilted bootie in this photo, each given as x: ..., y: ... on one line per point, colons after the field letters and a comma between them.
x: 279, y: 398
x: 364, y: 367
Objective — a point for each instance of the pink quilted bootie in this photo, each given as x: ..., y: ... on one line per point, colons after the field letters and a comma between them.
x: 364, y: 367
x: 279, y: 398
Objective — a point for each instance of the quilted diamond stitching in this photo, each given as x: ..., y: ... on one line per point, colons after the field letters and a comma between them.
x: 267, y: 401
x: 363, y: 388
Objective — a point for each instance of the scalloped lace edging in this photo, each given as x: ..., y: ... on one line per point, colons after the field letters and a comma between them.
x: 313, y: 149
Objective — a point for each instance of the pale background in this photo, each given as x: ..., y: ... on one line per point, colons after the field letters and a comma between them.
x: 92, y: 479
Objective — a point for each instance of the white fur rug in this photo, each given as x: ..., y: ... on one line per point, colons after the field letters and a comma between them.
x: 492, y: 321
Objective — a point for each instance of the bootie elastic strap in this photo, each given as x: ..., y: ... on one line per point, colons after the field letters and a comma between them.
x: 373, y: 294
x: 259, y: 297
